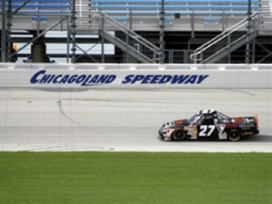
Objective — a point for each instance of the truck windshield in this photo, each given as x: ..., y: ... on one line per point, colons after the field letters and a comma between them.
x: 192, y: 119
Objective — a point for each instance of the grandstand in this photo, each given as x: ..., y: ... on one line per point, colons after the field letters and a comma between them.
x: 155, y: 31
x: 179, y: 14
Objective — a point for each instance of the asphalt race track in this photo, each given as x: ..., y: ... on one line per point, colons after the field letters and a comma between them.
x: 123, y: 120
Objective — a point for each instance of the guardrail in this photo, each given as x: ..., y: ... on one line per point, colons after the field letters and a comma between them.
x: 99, y: 66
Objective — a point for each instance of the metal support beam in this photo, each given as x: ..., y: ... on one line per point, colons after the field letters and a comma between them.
x: 74, y: 31
x: 249, y: 28
x: 253, y: 50
x: 68, y: 40
x: 263, y: 47
x: 127, y: 43
x: 4, y: 32
x: 9, y: 44
x: 266, y: 50
x: 103, y: 39
x: 264, y: 58
x: 192, y: 25
x: 56, y: 40
x: 122, y: 45
x: 229, y: 51
x: 224, y: 51
x: 223, y: 21
x: 254, y: 42
x: 87, y: 54
x: 127, y: 36
x: 22, y: 6
x: 162, y: 14
x: 38, y: 36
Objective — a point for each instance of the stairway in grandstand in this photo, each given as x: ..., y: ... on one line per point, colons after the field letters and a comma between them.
x: 185, y: 15
x: 266, y: 11
x: 117, y: 21
x: 128, y: 42
x: 86, y: 20
x: 83, y: 13
x: 42, y: 14
x: 207, y: 53
x: 263, y: 27
x: 205, y: 15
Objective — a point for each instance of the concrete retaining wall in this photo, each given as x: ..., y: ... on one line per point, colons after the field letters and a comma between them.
x: 135, y: 76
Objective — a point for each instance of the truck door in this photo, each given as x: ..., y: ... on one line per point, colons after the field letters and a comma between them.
x: 206, y: 127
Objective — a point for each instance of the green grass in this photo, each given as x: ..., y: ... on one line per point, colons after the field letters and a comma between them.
x: 193, y: 178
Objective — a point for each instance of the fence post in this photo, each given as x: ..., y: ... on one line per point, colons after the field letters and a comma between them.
x: 68, y: 39
x: 162, y: 13
x: 249, y: 29
x: 192, y: 25
x: 74, y: 31
x: 103, y: 39
x: 4, y: 32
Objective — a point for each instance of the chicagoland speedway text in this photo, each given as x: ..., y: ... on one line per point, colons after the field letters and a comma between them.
x: 88, y: 80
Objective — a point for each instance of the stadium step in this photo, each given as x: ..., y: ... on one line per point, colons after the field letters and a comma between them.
x: 230, y: 48
x: 126, y: 48
x: 133, y: 44
x: 83, y: 13
x: 200, y: 54
x: 266, y: 20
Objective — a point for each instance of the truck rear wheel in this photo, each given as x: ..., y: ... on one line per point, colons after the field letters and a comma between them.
x: 234, y: 136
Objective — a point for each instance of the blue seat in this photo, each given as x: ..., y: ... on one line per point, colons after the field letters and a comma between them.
x: 174, y: 12
x: 37, y: 5
x: 42, y: 6
x: 38, y: 19
x: 42, y: 1
x: 44, y: 12
x: 171, y: 7
x: 120, y: 18
x: 182, y: 7
x: 213, y: 20
x: 169, y: 19
x: 174, y: 1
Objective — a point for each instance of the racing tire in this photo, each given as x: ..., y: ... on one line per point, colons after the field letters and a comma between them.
x: 234, y: 136
x: 178, y: 135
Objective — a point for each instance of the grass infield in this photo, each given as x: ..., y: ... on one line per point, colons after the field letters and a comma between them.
x: 193, y: 178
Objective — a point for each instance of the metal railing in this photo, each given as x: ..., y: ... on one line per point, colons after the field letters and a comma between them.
x: 126, y: 37
x: 198, y: 55
x: 39, y: 23
x: 177, y: 56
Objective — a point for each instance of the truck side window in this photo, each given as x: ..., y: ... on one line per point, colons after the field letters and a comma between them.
x: 208, y: 120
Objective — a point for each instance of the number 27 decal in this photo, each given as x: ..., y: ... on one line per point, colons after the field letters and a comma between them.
x: 206, y: 130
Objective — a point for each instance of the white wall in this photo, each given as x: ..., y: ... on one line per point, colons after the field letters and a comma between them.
x: 153, y: 76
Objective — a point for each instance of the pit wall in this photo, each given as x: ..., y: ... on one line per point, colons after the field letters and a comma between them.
x: 238, y: 76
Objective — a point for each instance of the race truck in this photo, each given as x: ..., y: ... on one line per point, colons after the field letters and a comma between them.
x: 210, y: 125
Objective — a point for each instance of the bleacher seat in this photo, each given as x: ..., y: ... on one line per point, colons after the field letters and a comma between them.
x: 205, y: 8
x: 41, y: 7
x: 211, y: 20
x: 38, y: 19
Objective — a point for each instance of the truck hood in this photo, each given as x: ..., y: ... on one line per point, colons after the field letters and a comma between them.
x: 176, y: 123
